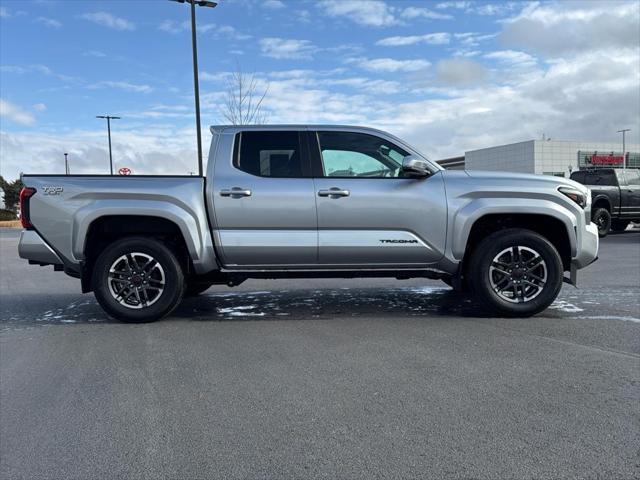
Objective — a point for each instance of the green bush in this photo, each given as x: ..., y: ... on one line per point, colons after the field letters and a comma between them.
x: 7, y: 215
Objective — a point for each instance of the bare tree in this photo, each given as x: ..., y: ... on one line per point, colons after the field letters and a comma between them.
x: 243, y: 105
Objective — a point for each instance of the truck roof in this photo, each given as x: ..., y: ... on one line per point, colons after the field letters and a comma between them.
x: 292, y: 126
x: 218, y: 129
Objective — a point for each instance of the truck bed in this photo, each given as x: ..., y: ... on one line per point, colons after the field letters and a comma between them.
x: 64, y: 207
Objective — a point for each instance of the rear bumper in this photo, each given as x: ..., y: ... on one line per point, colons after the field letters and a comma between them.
x: 33, y: 248
x: 587, y: 246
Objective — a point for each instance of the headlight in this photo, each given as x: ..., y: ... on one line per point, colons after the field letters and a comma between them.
x: 574, y: 194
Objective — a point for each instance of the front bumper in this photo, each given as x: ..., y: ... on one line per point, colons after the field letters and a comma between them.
x: 33, y: 248
x: 587, y: 243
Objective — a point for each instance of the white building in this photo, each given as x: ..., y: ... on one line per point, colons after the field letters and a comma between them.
x: 548, y: 157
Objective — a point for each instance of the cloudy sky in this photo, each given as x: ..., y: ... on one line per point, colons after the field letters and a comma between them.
x: 446, y: 76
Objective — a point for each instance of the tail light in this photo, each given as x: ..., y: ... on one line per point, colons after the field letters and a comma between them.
x: 25, y: 194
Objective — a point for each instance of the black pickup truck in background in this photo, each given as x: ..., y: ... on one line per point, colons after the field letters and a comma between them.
x: 615, y: 197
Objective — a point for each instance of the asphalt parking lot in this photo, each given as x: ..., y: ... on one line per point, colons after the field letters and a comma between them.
x: 322, y: 379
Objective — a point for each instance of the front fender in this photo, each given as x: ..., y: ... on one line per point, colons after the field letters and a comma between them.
x: 464, y: 218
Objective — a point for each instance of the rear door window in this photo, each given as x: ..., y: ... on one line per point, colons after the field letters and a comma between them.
x: 633, y: 177
x: 271, y: 154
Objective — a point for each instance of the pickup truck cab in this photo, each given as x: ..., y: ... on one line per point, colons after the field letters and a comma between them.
x: 615, y: 194
x: 294, y: 201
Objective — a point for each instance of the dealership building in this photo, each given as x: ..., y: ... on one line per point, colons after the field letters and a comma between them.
x: 547, y: 157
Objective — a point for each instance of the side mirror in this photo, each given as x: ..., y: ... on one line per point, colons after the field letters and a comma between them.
x: 415, y: 167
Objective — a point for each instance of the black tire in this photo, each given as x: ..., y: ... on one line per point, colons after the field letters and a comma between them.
x: 167, y: 267
x: 195, y: 288
x: 619, y: 225
x: 602, y: 218
x: 481, y: 272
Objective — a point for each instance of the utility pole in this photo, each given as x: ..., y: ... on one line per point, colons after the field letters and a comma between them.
x: 196, y: 87
x: 109, y: 118
x: 66, y: 164
x: 624, y: 153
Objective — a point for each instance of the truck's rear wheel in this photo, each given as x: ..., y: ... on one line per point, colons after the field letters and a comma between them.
x: 138, y: 279
x: 602, y: 218
x: 516, y: 272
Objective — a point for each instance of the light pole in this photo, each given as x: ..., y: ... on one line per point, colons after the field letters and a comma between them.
x: 624, y: 157
x: 66, y: 164
x: 109, y: 118
x: 196, y: 87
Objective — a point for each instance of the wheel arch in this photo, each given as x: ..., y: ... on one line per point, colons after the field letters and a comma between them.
x: 133, y: 217
x: 601, y: 201
x: 555, y: 224
x: 106, y: 229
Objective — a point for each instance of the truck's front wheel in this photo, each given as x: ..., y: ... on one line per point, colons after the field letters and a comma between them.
x: 138, y: 279
x: 516, y: 272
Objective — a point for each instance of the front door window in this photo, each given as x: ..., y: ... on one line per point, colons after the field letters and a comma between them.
x: 359, y: 155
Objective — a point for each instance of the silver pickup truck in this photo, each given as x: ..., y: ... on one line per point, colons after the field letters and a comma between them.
x: 309, y: 201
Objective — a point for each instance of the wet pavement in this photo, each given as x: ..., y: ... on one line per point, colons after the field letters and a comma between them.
x: 321, y: 378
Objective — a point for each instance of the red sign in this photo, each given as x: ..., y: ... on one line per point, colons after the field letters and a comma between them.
x: 606, y: 160
x: 124, y: 171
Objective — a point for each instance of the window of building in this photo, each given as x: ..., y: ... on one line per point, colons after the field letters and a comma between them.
x: 270, y: 154
x: 347, y: 154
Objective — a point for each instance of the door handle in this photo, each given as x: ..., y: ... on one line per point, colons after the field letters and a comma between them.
x: 235, y: 192
x: 334, y: 192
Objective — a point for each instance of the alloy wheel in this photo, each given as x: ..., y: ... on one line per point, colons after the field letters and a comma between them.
x: 136, y: 280
x: 518, y: 274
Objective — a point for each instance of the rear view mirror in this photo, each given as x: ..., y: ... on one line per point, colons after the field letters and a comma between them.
x: 414, y: 166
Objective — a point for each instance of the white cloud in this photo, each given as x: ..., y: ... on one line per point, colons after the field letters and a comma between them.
x: 473, y: 39
x: 152, y: 149
x: 109, y: 20
x: 226, y: 31
x: 390, y: 64
x: 460, y: 72
x: 39, y: 107
x: 378, y: 13
x: 581, y: 97
x: 42, y: 69
x: 14, y: 113
x: 440, y: 38
x: 568, y: 27
x: 95, y: 53
x: 495, y: 8
x: 126, y: 86
x: 4, y: 13
x: 232, y: 33
x: 576, y: 88
x: 421, y: 12
x: 460, y: 5
x: 273, y: 4
x: 374, y: 13
x: 478, y: 8
x: 512, y: 57
x: 283, y: 48
x: 48, y: 22
x: 171, y: 26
